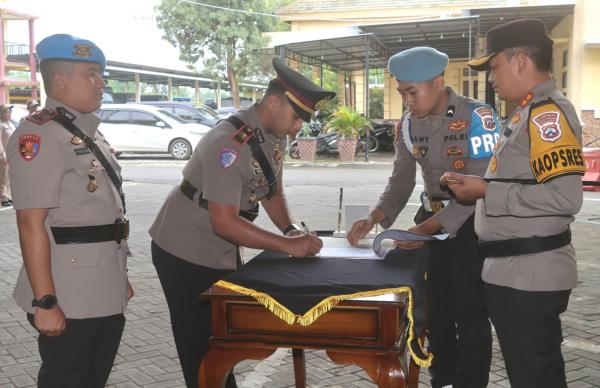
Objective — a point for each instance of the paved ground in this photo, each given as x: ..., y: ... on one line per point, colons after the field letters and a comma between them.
x: 147, y: 356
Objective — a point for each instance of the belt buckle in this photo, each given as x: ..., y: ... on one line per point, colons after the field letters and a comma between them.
x: 125, y: 229
x: 436, y: 206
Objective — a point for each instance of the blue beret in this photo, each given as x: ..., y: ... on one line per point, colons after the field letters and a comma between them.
x: 417, y: 64
x: 69, y: 48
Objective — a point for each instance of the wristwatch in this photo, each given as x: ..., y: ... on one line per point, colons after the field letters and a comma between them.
x: 291, y: 227
x: 46, y: 302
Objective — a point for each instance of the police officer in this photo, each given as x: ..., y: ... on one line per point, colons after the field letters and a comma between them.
x: 73, y: 284
x: 6, y: 129
x: 523, y: 214
x: 32, y: 107
x: 441, y: 130
x: 196, y: 234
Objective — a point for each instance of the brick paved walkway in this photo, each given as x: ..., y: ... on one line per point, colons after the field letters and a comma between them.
x: 147, y: 355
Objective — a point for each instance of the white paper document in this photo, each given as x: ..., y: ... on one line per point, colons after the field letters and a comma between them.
x: 339, y: 248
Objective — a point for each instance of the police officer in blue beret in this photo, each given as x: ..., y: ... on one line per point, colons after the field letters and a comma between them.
x: 66, y: 187
x: 441, y: 130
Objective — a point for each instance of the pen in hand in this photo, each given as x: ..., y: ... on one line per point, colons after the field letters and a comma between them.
x: 304, y: 227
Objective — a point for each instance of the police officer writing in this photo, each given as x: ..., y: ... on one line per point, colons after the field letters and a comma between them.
x: 237, y: 165
x: 523, y: 214
x: 441, y: 130
x: 66, y: 190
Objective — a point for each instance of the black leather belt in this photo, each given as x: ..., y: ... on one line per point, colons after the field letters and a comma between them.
x: 524, y: 246
x: 189, y: 191
x: 91, y: 234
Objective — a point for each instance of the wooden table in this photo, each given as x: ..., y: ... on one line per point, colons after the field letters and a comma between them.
x: 368, y: 332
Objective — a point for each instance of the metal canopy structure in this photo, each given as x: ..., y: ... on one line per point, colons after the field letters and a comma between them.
x: 126, y: 72
x: 450, y: 36
x: 372, y: 45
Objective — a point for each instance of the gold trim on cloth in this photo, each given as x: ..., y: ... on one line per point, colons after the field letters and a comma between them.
x: 297, y: 102
x: 326, y: 305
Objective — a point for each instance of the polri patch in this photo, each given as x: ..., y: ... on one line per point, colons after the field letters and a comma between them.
x: 227, y: 157
x: 42, y: 116
x: 454, y: 152
x: 487, y: 117
x: 29, y: 146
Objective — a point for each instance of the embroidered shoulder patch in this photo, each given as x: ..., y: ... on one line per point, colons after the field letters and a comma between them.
x: 227, y: 157
x: 29, y: 146
x: 487, y: 117
x: 554, y: 150
x: 42, y: 116
x: 242, y: 135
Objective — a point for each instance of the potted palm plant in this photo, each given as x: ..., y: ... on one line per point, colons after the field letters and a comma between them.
x: 347, y: 124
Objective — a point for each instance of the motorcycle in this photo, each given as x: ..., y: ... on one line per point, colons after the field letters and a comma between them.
x: 381, y: 137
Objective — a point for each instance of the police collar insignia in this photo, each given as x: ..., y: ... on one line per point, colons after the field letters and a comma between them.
x: 82, y: 50
x: 227, y: 157
x: 42, y: 116
x: 459, y: 164
x: 516, y: 118
x: 526, y: 100
x: 29, y: 146
x: 450, y: 111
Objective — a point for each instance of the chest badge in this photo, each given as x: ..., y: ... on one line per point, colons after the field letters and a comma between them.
x: 494, y: 163
x: 458, y: 164
x: 76, y: 140
x: 457, y: 125
x: 454, y: 152
x: 92, y: 185
x: 516, y: 118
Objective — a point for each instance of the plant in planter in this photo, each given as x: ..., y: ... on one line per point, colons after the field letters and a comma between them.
x: 347, y: 125
x: 306, y: 144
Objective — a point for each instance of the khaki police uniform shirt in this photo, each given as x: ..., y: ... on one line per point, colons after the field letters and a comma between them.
x: 6, y: 130
x: 461, y: 140
x: 48, y: 171
x: 545, y: 123
x: 224, y: 171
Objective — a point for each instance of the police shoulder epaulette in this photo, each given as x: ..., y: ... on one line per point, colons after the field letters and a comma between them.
x: 42, y: 116
x: 242, y: 134
x: 554, y: 149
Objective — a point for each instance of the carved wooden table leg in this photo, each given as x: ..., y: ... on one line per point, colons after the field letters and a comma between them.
x: 223, y: 356
x: 384, y: 368
x: 299, y: 367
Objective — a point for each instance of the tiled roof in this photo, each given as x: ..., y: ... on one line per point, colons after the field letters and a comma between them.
x: 302, y: 6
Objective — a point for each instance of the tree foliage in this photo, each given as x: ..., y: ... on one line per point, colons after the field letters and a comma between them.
x: 224, y: 40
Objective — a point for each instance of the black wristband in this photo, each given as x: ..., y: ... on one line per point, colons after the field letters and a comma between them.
x: 46, y: 302
x: 291, y: 227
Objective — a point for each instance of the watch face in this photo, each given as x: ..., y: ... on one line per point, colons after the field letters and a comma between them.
x: 46, y: 302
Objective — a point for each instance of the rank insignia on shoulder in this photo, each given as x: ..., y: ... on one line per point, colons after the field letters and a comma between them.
x: 227, y: 157
x: 42, y: 116
x: 457, y: 125
x: 29, y: 146
x: 242, y: 135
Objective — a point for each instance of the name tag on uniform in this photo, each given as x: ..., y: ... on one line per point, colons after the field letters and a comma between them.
x: 81, y: 151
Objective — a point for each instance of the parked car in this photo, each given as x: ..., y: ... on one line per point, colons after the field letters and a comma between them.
x: 141, y: 128
x: 187, y: 111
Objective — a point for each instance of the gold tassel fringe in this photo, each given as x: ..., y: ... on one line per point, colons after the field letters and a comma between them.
x: 326, y: 305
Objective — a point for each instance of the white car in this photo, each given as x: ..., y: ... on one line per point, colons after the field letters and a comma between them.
x: 137, y: 128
